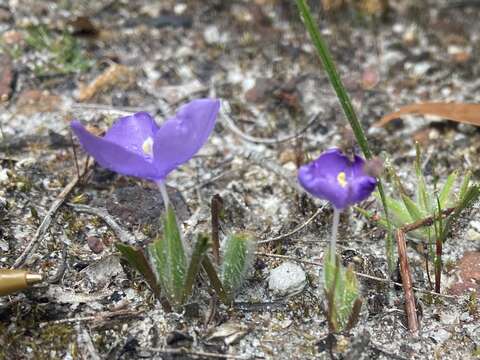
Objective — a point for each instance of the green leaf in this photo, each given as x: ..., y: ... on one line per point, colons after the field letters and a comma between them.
x: 169, y: 257
x: 445, y: 194
x: 199, y: 251
x: 471, y: 195
x: 400, y: 214
x: 464, y: 186
x: 422, y: 196
x: 237, y: 258
x: 137, y: 259
x: 215, y: 280
x: 412, y: 208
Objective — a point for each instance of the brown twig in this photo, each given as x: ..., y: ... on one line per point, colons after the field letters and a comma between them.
x: 438, y: 263
x: 428, y: 221
x: 410, y: 308
x: 47, y: 220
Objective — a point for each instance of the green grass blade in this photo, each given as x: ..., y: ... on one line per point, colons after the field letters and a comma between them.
x: 137, y: 259
x: 471, y: 196
x: 199, y: 251
x: 464, y: 186
x: 445, y: 194
x: 333, y: 76
x: 412, y: 208
x: 344, y: 99
x: 422, y: 196
x: 215, y: 280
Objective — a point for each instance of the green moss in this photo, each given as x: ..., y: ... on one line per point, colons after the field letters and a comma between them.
x: 24, y: 337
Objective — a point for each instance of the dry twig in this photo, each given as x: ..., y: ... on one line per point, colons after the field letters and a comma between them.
x: 198, y: 354
x: 294, y: 231
x: 231, y: 125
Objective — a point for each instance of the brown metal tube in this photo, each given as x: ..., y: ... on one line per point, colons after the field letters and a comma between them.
x: 16, y: 280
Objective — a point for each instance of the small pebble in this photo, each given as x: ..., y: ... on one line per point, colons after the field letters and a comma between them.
x: 95, y: 244
x: 287, y: 279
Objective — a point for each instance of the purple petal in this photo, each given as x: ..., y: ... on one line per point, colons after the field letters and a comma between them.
x: 330, y: 163
x: 131, y: 132
x: 361, y: 188
x: 183, y: 135
x: 323, y: 187
x: 113, y: 156
x: 321, y: 178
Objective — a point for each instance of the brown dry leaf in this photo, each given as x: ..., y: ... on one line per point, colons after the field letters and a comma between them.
x: 463, y: 113
x: 115, y: 75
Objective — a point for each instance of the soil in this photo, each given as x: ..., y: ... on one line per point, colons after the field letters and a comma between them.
x: 96, y: 61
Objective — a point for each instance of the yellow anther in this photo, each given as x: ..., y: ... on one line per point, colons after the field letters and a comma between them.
x: 147, y: 146
x: 341, y: 178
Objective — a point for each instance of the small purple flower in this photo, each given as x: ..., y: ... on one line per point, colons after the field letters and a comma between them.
x: 136, y: 146
x: 336, y: 178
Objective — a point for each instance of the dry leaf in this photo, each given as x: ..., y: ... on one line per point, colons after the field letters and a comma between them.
x: 463, y: 113
x: 115, y: 75
x: 229, y: 332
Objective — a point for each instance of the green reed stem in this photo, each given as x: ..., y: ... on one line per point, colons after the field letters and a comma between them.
x: 344, y: 99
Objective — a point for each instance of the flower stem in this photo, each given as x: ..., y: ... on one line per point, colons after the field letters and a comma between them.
x: 342, y: 95
x: 333, y: 240
x: 163, y: 191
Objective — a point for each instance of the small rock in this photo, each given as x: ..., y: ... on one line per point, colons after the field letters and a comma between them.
x: 3, y: 176
x: 4, y: 245
x: 101, y: 273
x: 95, y: 244
x: 287, y: 279
x: 473, y: 235
x: 212, y: 35
x: 440, y: 335
x: 370, y: 78
x: 449, y: 318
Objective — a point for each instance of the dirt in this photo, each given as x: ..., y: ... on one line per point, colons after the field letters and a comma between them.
x: 257, y: 58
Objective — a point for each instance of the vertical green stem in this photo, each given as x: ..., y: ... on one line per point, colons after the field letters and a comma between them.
x: 163, y: 190
x: 333, y: 240
x: 344, y: 99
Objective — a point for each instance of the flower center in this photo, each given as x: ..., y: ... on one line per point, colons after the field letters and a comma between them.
x: 341, y: 178
x: 147, y: 146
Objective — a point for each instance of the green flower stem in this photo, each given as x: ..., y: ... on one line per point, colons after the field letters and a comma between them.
x: 344, y: 99
x: 333, y: 240
x: 163, y: 190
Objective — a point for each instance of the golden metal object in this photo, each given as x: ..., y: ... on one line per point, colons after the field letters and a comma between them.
x: 16, y: 280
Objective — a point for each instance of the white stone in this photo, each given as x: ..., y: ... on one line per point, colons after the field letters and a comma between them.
x: 440, y: 335
x: 287, y: 279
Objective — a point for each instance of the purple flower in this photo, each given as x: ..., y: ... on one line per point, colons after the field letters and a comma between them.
x: 135, y: 145
x: 336, y: 178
